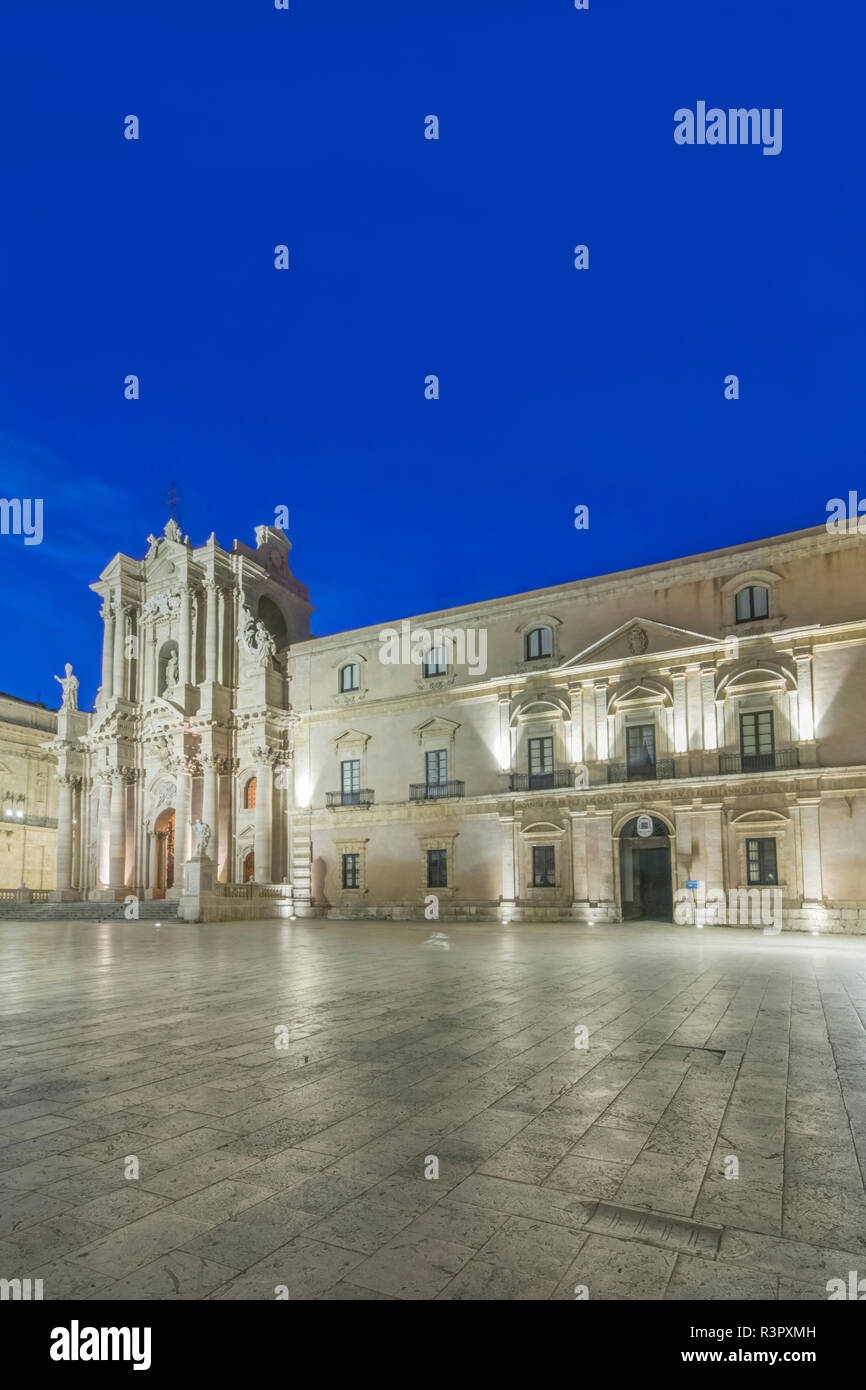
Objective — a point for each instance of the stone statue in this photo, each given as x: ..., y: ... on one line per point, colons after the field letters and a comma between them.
x: 172, y: 672
x: 69, y: 684
x: 581, y: 776
x: 201, y: 830
x: 254, y: 638
x: 264, y: 640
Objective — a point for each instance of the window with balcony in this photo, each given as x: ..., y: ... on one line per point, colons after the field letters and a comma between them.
x: 752, y: 602
x: 761, y: 867
x: 640, y: 752
x: 436, y: 767
x: 539, y: 643
x: 540, y: 763
x: 757, y: 748
x: 350, y: 781
x: 543, y: 866
x: 350, y: 678
x: 437, y: 868
x: 351, y: 870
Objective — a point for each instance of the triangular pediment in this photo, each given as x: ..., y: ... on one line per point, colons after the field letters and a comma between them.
x: 437, y: 728
x: 641, y: 637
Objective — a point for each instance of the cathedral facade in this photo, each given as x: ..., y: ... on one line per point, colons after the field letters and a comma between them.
x: 683, y: 739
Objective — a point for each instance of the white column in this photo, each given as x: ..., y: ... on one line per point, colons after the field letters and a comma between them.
x: 120, y: 650
x: 684, y: 846
x: 211, y: 631
x: 66, y: 784
x: 505, y: 733
x: 713, y: 852
x: 589, y: 737
x: 134, y: 657
x: 151, y: 859
x: 805, y: 708
x: 575, y: 696
x: 117, y: 830
x: 600, y: 887
x: 85, y: 829
x: 181, y: 824
x: 183, y: 645
x: 681, y: 728
x: 601, y: 740
x: 509, y: 862
x: 108, y: 648
x: 222, y: 613
x: 580, y: 887
x: 708, y: 706
x: 210, y: 802
x: 264, y: 815
x: 810, y: 849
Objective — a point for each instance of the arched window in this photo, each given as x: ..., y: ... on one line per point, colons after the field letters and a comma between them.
x: 250, y: 795
x: 350, y: 677
x: 752, y: 602
x: 539, y: 643
x: 437, y: 662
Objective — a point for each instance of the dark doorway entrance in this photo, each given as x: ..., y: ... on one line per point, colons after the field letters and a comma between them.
x: 645, y: 870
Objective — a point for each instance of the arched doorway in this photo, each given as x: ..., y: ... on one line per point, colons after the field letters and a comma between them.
x: 164, y: 869
x: 249, y: 866
x: 645, y: 870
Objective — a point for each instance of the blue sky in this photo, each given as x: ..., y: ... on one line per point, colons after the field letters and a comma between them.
x: 305, y: 388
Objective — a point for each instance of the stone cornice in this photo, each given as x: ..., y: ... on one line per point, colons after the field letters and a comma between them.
x: 729, y: 562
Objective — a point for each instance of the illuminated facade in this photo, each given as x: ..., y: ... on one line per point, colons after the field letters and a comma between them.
x: 584, y: 752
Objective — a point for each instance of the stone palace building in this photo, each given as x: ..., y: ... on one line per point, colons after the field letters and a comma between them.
x: 28, y: 795
x: 575, y: 753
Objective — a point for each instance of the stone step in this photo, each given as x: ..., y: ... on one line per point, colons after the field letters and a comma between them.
x: 148, y: 911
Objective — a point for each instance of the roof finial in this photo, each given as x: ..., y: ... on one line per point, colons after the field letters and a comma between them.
x: 171, y: 501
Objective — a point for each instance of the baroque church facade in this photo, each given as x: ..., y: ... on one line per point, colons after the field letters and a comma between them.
x: 692, y: 726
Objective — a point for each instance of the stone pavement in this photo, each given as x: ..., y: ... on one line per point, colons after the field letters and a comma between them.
x: 303, y: 1167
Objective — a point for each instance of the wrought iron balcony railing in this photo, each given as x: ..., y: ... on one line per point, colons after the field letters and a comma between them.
x: 777, y: 761
x: 361, y: 798
x: 541, y: 781
x: 641, y: 772
x: 433, y: 791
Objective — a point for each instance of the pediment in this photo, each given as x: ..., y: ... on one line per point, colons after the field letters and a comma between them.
x: 437, y: 728
x: 640, y: 637
x: 351, y: 736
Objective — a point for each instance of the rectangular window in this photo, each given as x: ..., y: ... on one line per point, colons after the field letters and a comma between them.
x: 351, y: 871
x: 543, y: 866
x: 761, y: 861
x: 437, y: 868
x: 437, y: 662
x: 756, y: 741
x: 539, y: 643
x: 436, y: 767
x: 540, y: 762
x: 641, y: 750
x: 350, y: 781
x: 752, y: 602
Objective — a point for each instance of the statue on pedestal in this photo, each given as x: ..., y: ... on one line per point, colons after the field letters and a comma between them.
x: 202, y: 832
x: 69, y: 685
